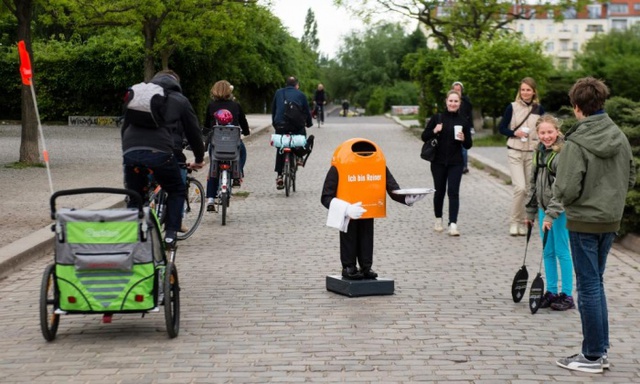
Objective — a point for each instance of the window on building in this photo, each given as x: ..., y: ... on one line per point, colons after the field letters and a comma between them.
x: 570, y: 13
x: 595, y: 28
x: 576, y: 46
x: 620, y: 24
x: 521, y: 28
x: 575, y: 28
x: 549, y: 46
x: 618, y: 8
x: 551, y: 28
x: 532, y: 29
x: 564, y: 45
x: 595, y: 11
x: 636, y: 7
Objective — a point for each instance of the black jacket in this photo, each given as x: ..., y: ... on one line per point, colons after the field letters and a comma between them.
x: 180, y: 121
x: 449, y: 149
x: 239, y: 118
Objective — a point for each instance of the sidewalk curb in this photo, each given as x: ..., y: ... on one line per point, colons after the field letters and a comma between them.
x: 40, y: 243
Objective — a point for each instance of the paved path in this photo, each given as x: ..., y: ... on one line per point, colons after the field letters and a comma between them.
x: 255, y: 308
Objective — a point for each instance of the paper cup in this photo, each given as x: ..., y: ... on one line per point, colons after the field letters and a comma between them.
x: 456, y: 129
x: 525, y: 130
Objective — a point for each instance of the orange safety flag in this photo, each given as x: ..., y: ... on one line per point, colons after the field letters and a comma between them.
x: 25, y: 64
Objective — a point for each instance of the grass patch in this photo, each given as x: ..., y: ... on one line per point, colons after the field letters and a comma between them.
x: 407, y: 117
x: 23, y: 165
x: 489, y: 141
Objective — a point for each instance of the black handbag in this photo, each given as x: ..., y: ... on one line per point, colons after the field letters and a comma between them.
x: 429, y: 149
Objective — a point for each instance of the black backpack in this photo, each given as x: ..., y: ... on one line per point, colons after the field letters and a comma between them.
x: 294, y: 114
x: 146, y: 103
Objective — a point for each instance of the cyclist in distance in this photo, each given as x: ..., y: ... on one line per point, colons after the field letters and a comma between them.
x: 319, y: 101
x: 289, y: 94
x: 222, y: 98
x: 155, y: 148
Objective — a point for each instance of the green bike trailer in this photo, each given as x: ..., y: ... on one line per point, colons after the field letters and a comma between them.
x: 106, y: 262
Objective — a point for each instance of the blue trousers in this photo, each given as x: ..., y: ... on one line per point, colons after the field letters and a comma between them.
x: 557, y: 251
x: 589, y: 252
x: 166, y: 172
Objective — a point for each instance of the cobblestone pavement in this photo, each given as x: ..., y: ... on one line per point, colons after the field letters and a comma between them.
x: 255, y: 308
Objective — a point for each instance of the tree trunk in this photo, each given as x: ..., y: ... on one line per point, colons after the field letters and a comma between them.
x: 150, y: 31
x: 29, y: 140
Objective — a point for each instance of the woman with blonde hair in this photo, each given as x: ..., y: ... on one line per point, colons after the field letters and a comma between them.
x: 518, y: 125
x: 222, y: 98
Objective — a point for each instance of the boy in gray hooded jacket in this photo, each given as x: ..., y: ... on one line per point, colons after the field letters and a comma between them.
x: 595, y: 170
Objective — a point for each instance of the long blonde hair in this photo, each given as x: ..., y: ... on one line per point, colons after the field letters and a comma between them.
x: 557, y: 124
x: 221, y: 90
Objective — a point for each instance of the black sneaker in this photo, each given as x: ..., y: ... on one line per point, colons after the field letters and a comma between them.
x: 547, y: 299
x: 563, y: 303
x: 170, y: 239
x: 368, y: 273
x: 351, y: 273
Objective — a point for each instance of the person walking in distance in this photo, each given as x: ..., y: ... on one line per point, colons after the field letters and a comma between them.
x: 289, y: 96
x: 453, y: 133
x: 154, y: 148
x: 552, y: 218
x: 517, y: 125
x: 345, y: 108
x: 596, y: 169
x: 319, y: 101
x: 466, y: 110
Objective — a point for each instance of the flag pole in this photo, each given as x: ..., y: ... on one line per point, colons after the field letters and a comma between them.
x: 27, y: 74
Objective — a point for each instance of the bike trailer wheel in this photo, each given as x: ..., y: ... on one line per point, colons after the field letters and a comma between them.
x: 171, y: 300
x: 49, y: 320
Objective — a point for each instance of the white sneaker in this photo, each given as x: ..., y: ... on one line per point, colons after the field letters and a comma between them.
x: 453, y: 230
x: 522, y: 230
x: 438, y: 225
x: 211, y: 204
x: 513, y: 230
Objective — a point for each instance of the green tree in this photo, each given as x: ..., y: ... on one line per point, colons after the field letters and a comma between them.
x: 615, y: 58
x: 370, y: 60
x: 23, y: 10
x: 310, y: 36
x: 459, y: 24
x: 495, y: 69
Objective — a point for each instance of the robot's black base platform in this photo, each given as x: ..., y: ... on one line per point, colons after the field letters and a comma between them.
x: 356, y: 288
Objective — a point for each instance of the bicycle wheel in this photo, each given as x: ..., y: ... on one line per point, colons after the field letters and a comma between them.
x: 294, y: 171
x: 171, y: 300
x: 49, y: 320
x: 287, y: 173
x: 193, y: 208
x: 224, y: 203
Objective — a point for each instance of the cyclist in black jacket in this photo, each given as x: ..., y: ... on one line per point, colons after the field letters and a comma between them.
x: 156, y: 149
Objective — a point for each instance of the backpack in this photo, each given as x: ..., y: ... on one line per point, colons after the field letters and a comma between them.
x: 146, y: 103
x: 294, y: 114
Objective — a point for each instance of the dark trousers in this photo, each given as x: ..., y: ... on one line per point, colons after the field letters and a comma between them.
x: 446, y: 179
x: 357, y: 244
x: 167, y: 173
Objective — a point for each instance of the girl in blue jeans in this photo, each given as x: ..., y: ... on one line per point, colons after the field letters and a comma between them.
x: 552, y: 218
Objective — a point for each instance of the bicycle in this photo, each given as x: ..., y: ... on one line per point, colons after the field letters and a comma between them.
x: 225, y: 155
x: 289, y: 170
x: 193, y: 209
x: 320, y: 114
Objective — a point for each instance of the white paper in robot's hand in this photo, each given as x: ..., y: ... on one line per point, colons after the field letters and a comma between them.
x: 355, y: 211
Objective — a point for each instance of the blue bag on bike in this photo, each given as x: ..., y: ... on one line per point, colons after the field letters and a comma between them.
x: 288, y: 141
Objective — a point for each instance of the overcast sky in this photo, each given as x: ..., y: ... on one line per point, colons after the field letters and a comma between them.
x: 332, y: 22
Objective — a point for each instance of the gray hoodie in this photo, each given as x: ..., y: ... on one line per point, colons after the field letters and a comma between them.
x: 595, y: 170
